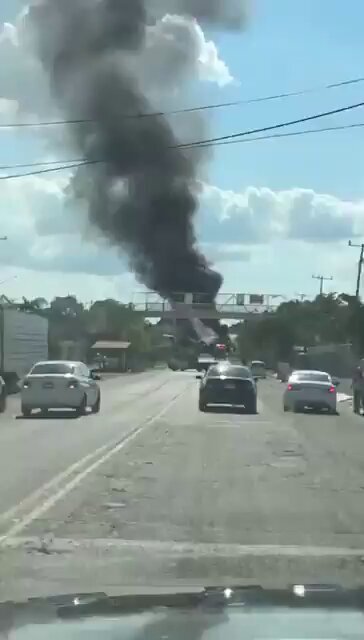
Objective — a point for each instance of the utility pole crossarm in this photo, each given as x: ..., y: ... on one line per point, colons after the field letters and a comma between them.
x: 322, y: 279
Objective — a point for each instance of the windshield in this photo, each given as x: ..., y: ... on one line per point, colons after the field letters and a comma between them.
x: 307, y: 376
x: 182, y: 210
x: 229, y: 371
x: 52, y: 367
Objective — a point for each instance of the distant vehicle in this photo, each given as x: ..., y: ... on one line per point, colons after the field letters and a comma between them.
x: 2, y: 395
x: 310, y: 389
x: 230, y: 385
x: 205, y: 361
x: 283, y: 371
x: 176, y: 364
x: 258, y: 369
x: 60, y: 384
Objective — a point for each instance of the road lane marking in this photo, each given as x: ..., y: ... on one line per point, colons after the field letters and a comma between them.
x: 342, y: 397
x: 81, y: 471
x: 75, y: 467
x: 234, y: 424
x: 188, y: 548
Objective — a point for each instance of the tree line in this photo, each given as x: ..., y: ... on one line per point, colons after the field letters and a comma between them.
x: 328, y: 319
x: 71, y: 320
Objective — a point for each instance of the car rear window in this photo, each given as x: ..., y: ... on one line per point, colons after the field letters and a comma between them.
x: 230, y: 371
x: 52, y: 367
x: 312, y: 377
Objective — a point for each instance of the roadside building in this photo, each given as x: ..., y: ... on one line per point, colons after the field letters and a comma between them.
x: 111, y: 355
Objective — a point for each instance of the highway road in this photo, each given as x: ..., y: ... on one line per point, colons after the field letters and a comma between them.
x: 151, y: 492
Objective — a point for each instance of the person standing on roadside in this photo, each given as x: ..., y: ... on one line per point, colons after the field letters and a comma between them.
x: 357, y: 384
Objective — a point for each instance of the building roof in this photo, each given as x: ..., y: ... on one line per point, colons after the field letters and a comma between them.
x: 111, y: 344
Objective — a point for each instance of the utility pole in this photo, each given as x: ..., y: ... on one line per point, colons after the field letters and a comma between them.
x: 322, y: 279
x: 301, y: 296
x: 360, y: 265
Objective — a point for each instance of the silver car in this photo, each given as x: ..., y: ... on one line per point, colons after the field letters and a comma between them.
x: 60, y: 384
x: 311, y: 390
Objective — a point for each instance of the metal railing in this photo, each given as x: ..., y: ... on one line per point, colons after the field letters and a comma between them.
x: 225, y: 302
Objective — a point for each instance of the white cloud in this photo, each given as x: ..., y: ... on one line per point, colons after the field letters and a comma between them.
x: 22, y: 80
x: 176, y: 47
x: 47, y: 233
x: 24, y: 88
x: 260, y: 215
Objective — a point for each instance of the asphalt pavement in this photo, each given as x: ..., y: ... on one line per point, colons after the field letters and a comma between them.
x: 152, y: 492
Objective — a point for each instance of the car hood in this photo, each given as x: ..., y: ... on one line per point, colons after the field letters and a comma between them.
x: 299, y: 611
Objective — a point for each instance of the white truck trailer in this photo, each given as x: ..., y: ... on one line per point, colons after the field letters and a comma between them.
x: 23, y: 341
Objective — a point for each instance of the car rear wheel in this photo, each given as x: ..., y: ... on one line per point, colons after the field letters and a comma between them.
x: 81, y: 410
x: 96, y: 407
x: 251, y: 408
x: 2, y: 403
x: 202, y: 405
x: 26, y: 411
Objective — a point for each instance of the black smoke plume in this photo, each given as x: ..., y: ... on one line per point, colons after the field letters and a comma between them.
x: 144, y: 196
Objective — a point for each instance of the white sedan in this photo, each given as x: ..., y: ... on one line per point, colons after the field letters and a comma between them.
x: 60, y: 384
x: 310, y: 389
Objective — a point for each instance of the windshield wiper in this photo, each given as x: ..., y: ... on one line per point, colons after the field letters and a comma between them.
x: 216, y: 598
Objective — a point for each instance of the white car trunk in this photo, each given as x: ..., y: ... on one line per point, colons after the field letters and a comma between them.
x: 50, y: 381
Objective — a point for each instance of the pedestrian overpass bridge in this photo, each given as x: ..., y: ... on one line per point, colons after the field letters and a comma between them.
x: 229, y: 306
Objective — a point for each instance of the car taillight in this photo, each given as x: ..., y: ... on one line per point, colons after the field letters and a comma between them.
x: 332, y: 389
x: 72, y: 384
x: 26, y: 384
x: 293, y: 387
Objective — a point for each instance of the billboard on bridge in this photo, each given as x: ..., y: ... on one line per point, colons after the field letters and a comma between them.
x: 256, y: 298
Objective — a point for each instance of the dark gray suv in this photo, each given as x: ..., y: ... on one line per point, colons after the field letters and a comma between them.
x: 228, y: 384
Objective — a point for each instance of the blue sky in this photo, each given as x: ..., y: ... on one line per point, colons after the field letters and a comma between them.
x: 288, y: 45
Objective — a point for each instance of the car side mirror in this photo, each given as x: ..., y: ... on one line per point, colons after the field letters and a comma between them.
x: 199, y: 376
x: 336, y: 382
x: 94, y: 375
x: 256, y: 379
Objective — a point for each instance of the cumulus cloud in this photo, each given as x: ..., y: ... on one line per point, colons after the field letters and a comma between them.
x: 171, y: 38
x: 260, y: 215
x: 46, y: 233
x: 24, y: 88
x: 22, y: 80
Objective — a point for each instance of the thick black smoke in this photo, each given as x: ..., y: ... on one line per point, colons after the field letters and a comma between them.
x: 144, y: 196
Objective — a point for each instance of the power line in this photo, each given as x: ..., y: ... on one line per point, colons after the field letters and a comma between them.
x: 228, y: 139
x: 317, y: 116
x: 218, y: 105
x: 70, y: 163
x: 290, y: 134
